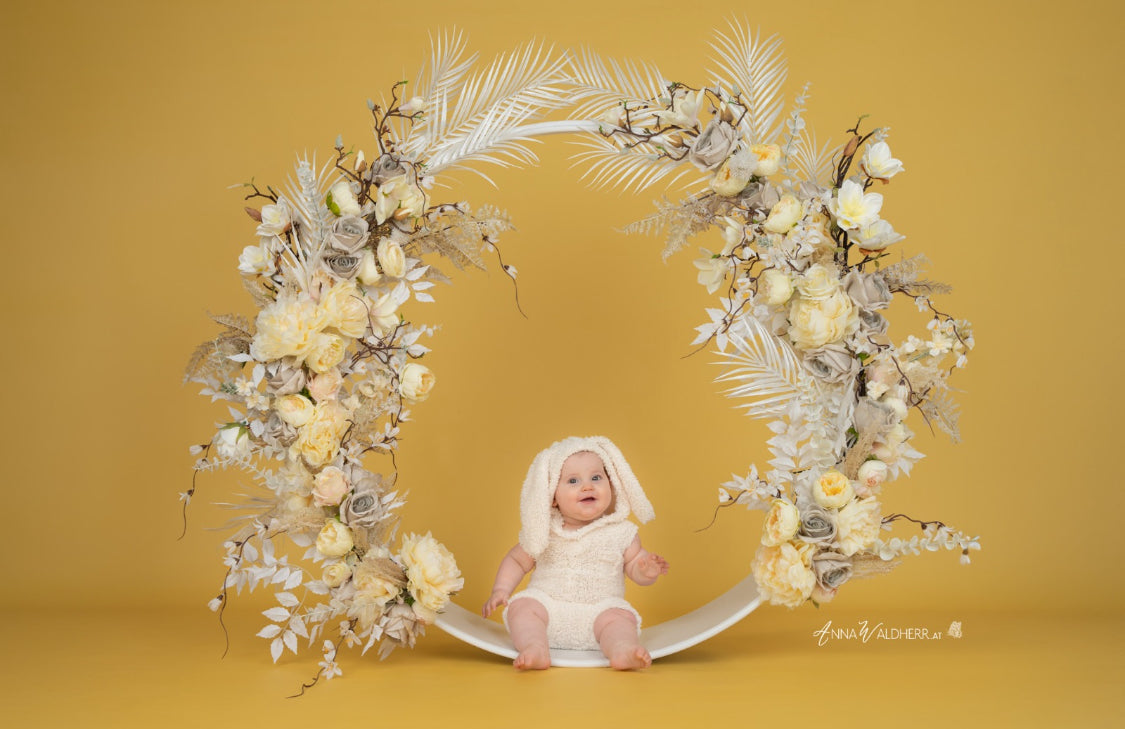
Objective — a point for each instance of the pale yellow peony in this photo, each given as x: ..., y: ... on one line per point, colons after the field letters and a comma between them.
x: 769, y: 159
x: 783, y: 215
x: 775, y: 287
x: 832, y: 490
x: 814, y: 323
x: 287, y: 328
x: 319, y: 440
x: 334, y: 540
x: 857, y: 525
x: 391, y: 258
x: 782, y: 522
x: 294, y: 409
x: 345, y: 310
x: 784, y: 574
x: 431, y: 573
x: 327, y: 352
x: 336, y: 574
x: 416, y: 382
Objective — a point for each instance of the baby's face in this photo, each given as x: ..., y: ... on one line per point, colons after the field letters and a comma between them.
x: 584, y: 492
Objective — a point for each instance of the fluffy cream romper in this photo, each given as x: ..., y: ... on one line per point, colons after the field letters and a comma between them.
x: 579, y: 573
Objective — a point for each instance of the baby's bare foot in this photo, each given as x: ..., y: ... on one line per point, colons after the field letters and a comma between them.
x: 535, y: 658
x: 630, y: 659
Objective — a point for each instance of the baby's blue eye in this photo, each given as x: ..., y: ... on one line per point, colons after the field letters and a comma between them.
x: 598, y: 477
x: 572, y: 480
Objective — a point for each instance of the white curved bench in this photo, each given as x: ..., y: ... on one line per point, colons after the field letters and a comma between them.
x: 662, y: 639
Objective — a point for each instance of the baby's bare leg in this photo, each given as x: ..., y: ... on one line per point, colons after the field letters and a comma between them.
x: 616, y: 631
x: 527, y: 623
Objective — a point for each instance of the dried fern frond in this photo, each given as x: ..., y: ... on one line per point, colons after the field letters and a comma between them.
x: 259, y: 291
x: 682, y: 220
x: 211, y: 359
x: 940, y: 409
x: 871, y: 565
x: 925, y: 287
x: 459, y: 235
x: 757, y: 70
x: 905, y: 271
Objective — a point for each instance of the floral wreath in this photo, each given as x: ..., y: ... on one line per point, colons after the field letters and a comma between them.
x: 328, y: 369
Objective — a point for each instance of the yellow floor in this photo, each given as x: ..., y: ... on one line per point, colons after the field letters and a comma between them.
x: 162, y: 669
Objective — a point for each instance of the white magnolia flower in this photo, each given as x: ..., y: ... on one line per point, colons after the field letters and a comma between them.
x: 712, y: 271
x: 684, y: 110
x: 398, y: 198
x: 878, y: 164
x: 255, y: 260
x: 876, y: 236
x: 276, y: 218
x: 853, y: 208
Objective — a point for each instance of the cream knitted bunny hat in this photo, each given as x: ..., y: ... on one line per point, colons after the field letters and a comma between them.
x: 543, y: 477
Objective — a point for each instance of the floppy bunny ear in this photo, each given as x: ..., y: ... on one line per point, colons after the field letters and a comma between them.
x: 535, y: 505
x: 622, y: 476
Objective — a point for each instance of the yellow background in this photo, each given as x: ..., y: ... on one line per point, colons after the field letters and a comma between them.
x: 124, y: 124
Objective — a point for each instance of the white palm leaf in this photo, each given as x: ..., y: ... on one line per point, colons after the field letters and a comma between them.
x: 764, y: 369
x: 757, y: 70
x: 480, y: 118
x: 810, y: 161
x: 607, y: 165
x: 603, y: 83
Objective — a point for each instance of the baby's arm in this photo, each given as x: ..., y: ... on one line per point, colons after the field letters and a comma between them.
x: 643, y: 567
x: 516, y: 563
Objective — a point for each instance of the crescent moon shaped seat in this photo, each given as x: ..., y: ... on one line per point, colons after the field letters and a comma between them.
x: 661, y: 640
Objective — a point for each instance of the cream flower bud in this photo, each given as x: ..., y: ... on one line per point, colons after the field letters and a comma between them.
x: 391, y: 258
x: 775, y: 287
x: 416, y: 382
x: 784, y: 215
x: 336, y: 574
x: 734, y: 175
x: 334, y: 540
x: 413, y: 106
x: 368, y: 272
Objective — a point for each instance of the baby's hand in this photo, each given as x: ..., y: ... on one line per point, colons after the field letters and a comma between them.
x: 499, y: 599
x: 650, y: 566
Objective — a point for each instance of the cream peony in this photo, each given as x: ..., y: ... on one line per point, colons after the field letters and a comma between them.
x: 391, y: 258
x: 818, y: 282
x: 416, y: 381
x: 775, y: 287
x: 431, y: 573
x: 783, y: 573
x: 296, y: 410
x: 768, y: 159
x: 319, y: 441
x: 853, y: 208
x: 373, y: 582
x: 734, y: 174
x: 327, y: 352
x: 326, y: 385
x: 782, y: 522
x: 784, y: 215
x: 345, y: 310
x: 814, y: 323
x: 877, y: 162
x: 857, y: 525
x: 330, y: 486
x: 832, y: 490
x: 334, y: 540
x: 288, y: 327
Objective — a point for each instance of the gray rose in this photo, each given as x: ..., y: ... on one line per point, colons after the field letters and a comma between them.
x: 869, y: 290
x: 872, y: 323
x: 344, y: 266
x: 831, y: 363
x: 362, y: 508
x: 831, y: 569
x: 285, y: 378
x: 817, y: 526
x: 349, y: 234
x: 388, y: 167
x: 714, y: 145
x: 279, y: 433
x: 872, y: 417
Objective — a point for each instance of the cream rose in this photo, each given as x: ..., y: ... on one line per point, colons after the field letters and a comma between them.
x: 296, y: 410
x: 814, y: 323
x: 334, y: 540
x: 782, y: 522
x: 368, y: 272
x: 818, y: 282
x: 416, y: 381
x: 857, y: 525
x: 329, y: 487
x: 784, y: 215
x: 341, y: 200
x: 391, y: 258
x: 336, y: 574
x: 871, y: 476
x: 431, y: 573
x: 319, y: 441
x: 326, y: 385
x: 768, y: 158
x: 775, y: 287
x: 868, y: 290
x: 345, y: 310
x: 833, y: 490
x: 783, y: 573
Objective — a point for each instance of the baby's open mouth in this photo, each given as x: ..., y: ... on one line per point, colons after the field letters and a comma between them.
x: 590, y: 498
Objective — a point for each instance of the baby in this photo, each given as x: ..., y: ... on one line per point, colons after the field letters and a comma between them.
x: 576, y: 535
